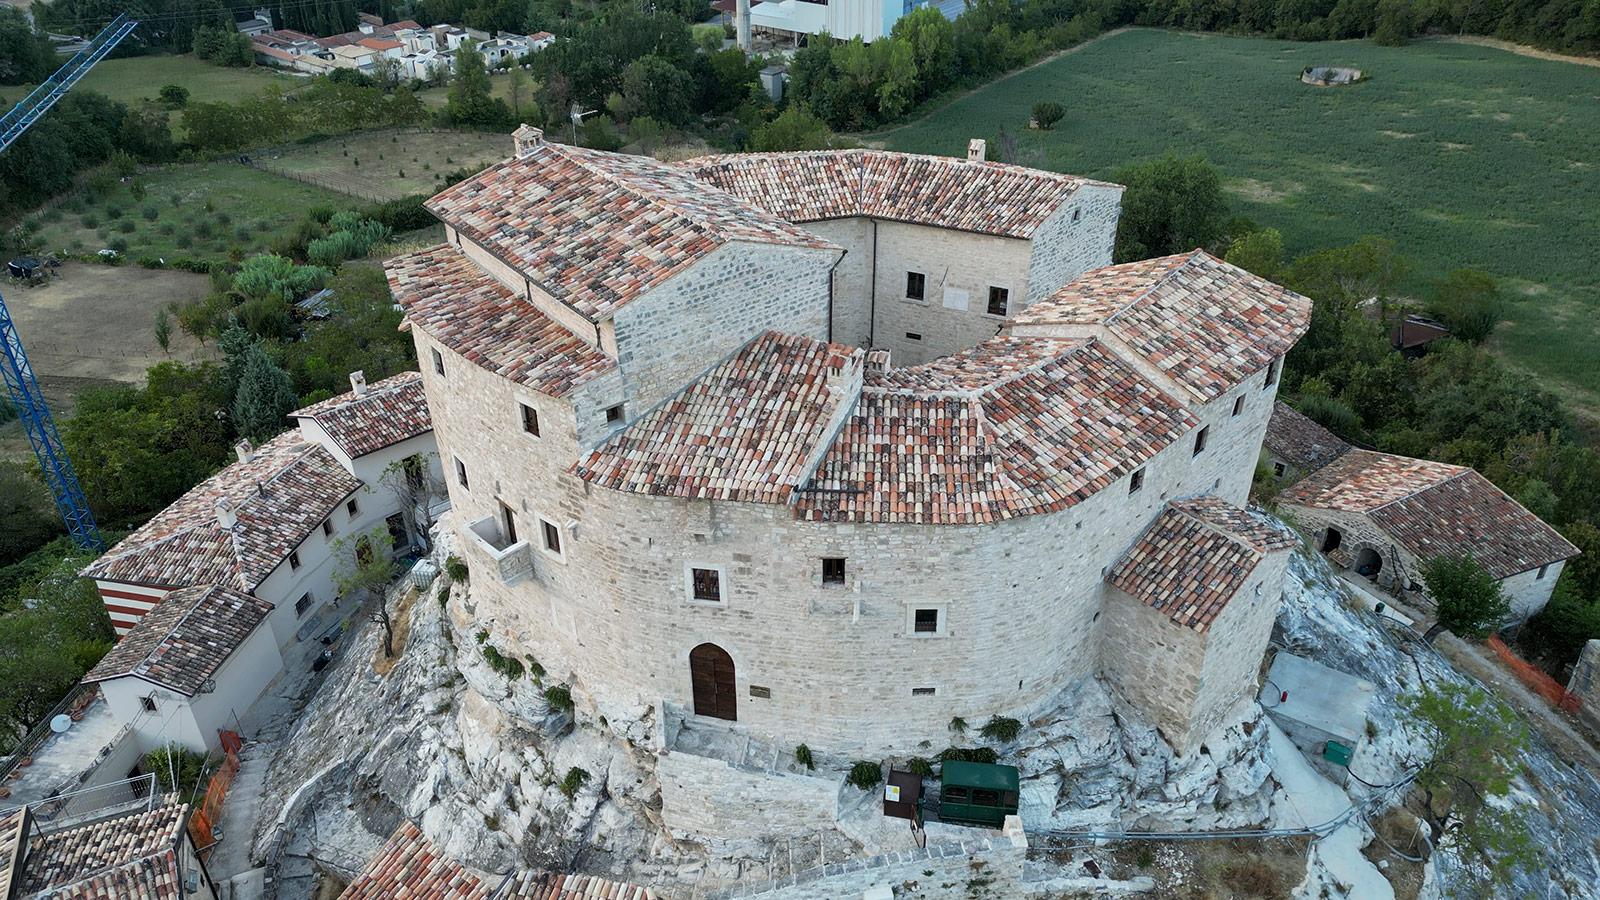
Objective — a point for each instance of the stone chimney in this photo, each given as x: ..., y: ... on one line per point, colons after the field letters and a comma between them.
x: 741, y: 21
x: 358, y: 382
x: 977, y: 150
x: 878, y: 361
x: 527, y: 139
x: 244, y: 451
x: 837, y: 373
x: 226, y: 517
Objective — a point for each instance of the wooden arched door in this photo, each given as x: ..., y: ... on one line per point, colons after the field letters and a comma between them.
x: 711, y: 671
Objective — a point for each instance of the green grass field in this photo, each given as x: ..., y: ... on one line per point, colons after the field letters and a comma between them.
x: 391, y: 164
x: 139, y: 78
x: 1465, y: 156
x: 200, y: 212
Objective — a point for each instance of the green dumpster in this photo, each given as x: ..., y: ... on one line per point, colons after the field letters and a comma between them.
x: 981, y: 794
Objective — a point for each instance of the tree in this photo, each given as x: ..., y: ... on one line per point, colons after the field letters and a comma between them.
x: 1259, y: 253
x: 47, y: 645
x: 28, y: 516
x: 1472, y: 744
x: 655, y: 87
x: 174, y: 95
x: 1467, y: 301
x: 1172, y: 205
x: 1471, y: 602
x: 1583, y: 571
x: 1047, y: 113
x: 796, y: 128
x: 646, y: 132
x: 519, y: 87
x: 362, y: 332
x: 164, y: 331
x: 932, y: 39
x: 264, y: 397
x: 469, y: 102
x: 416, y: 484
x: 366, y: 568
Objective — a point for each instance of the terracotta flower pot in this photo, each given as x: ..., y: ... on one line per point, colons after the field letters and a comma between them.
x: 25, y: 762
x: 4, y: 792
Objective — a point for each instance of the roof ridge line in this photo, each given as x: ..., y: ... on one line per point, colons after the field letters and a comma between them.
x: 176, y: 625
x: 1218, y: 529
x: 1167, y: 276
x: 1462, y: 470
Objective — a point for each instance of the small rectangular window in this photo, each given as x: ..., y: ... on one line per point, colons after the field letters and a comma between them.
x: 438, y: 360
x: 923, y: 692
x: 1238, y: 405
x: 1278, y: 469
x: 1200, y: 440
x: 530, y: 419
x: 707, y: 584
x: 1543, y: 571
x: 552, y: 536
x: 148, y: 703
x: 327, y: 528
x: 926, y: 621
x: 1136, y: 482
x: 833, y: 570
x: 953, y: 794
x: 765, y: 693
x: 303, y: 604
x: 1272, y: 374
x: 913, y: 336
x: 985, y: 797
x: 351, y: 508
x: 294, y: 560
x: 461, y: 474
x: 999, y: 300
x: 916, y: 285
x: 614, y: 414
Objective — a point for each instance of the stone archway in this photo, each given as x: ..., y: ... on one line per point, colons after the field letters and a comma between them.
x: 711, y: 674
x: 1369, y: 563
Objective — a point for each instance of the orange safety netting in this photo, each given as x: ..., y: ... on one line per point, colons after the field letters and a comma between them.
x: 203, y: 819
x: 1534, y: 677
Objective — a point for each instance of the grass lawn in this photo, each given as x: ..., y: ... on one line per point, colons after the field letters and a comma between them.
x: 392, y: 164
x: 139, y: 78
x: 1465, y: 156
x: 199, y: 211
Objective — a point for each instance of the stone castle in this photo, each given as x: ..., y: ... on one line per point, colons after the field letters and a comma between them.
x: 841, y: 445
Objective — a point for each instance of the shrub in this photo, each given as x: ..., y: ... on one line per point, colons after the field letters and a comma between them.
x: 508, y: 667
x: 536, y: 670
x: 183, y: 239
x: 864, y: 774
x: 1047, y: 113
x: 113, y: 213
x: 920, y: 766
x: 223, y: 218
x: 802, y: 755
x: 1002, y: 729
x: 958, y: 725
x: 972, y: 754
x: 482, y: 636
x: 320, y: 214
x: 203, y: 228
x: 573, y: 782
x: 125, y: 226
x: 118, y: 244
x: 559, y: 696
x: 444, y: 595
x: 150, y: 211
x: 166, y: 228
x: 89, y: 220
x: 455, y: 569
x: 241, y: 233
x: 174, y: 95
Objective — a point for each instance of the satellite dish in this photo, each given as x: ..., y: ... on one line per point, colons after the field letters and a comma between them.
x: 60, y: 723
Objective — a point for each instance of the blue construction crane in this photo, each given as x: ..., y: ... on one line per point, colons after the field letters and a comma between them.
x: 21, y: 384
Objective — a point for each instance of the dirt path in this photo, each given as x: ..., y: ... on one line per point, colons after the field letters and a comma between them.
x: 1519, y: 49
x: 875, y: 139
x: 1568, y: 737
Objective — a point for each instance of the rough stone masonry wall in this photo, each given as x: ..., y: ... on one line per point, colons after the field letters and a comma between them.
x: 1078, y: 237
x: 683, y: 327
x: 1585, y: 681
x: 1236, y: 642
x: 852, y: 279
x: 709, y: 798
x: 958, y: 268
x: 1154, y: 661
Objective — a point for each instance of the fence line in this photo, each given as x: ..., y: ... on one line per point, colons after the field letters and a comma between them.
x: 324, y: 183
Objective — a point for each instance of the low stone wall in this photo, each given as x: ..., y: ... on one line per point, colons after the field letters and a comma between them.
x: 710, y: 798
x: 996, y: 860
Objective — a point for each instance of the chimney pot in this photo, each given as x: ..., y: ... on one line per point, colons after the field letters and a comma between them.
x: 358, y: 382
x: 244, y: 451
x: 527, y: 139
x: 226, y: 517
x: 977, y: 150
x: 878, y: 361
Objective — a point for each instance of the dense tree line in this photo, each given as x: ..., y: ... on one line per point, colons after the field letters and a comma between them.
x: 84, y: 129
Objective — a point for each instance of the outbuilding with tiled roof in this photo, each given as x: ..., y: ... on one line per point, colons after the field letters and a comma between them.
x: 142, y: 855
x: 1296, y: 446
x: 1382, y: 515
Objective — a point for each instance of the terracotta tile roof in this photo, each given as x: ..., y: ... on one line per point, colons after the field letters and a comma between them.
x: 1053, y: 422
x: 552, y: 886
x: 1195, y: 557
x: 745, y: 430
x: 1206, y: 323
x: 410, y: 867
x: 986, y: 197
x: 1301, y: 442
x: 14, y: 828
x: 458, y: 304
x: 184, y: 639
x: 280, y: 497
x: 127, y: 857
x: 392, y: 410
x: 380, y: 44
x: 595, y: 229
x: 1430, y: 508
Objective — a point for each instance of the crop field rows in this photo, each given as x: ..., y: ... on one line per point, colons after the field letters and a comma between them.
x: 1465, y: 156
